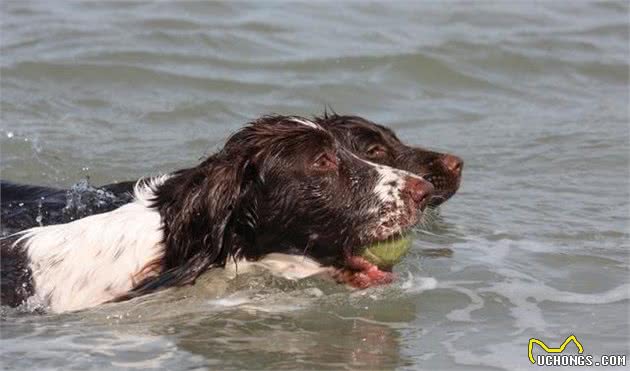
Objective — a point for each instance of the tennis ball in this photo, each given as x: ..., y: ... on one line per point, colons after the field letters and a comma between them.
x: 386, y: 254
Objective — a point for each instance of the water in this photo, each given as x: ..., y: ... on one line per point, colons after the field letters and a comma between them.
x: 534, y: 97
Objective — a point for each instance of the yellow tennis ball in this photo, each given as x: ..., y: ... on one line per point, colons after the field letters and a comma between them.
x: 386, y: 254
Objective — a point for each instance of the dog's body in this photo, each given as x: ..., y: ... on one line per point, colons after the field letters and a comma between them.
x: 88, y: 261
x: 280, y: 185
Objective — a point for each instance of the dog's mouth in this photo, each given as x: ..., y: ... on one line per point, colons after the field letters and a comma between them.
x: 371, y: 264
x: 445, y: 188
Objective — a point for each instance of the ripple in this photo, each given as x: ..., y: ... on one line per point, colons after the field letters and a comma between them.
x: 123, y: 73
x: 534, y: 98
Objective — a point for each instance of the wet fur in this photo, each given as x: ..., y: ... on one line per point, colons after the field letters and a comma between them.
x: 258, y: 195
x: 47, y: 206
x: 360, y: 135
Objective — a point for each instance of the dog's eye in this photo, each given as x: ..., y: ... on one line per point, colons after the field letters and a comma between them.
x: 376, y: 151
x: 325, y: 162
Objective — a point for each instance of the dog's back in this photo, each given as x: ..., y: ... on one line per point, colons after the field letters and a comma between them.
x: 24, y: 206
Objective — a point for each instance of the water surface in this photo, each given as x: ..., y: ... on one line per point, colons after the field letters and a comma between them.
x: 534, y: 97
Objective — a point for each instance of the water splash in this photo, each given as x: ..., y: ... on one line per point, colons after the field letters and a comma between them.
x: 82, y: 199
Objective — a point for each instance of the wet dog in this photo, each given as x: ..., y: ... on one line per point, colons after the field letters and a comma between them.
x: 380, y: 144
x: 281, y: 185
x: 25, y: 206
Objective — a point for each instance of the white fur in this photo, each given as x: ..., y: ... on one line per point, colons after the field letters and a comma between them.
x: 145, y: 188
x: 391, y: 182
x: 95, y: 259
x: 293, y: 267
x: 308, y: 123
x: 389, y: 188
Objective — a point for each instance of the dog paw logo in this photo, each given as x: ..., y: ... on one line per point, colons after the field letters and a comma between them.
x: 560, y: 349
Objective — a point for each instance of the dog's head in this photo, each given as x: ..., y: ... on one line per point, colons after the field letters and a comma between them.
x: 379, y: 144
x: 282, y: 184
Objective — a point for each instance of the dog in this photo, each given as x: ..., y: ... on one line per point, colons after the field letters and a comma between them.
x: 380, y: 144
x: 26, y: 206
x: 281, y: 185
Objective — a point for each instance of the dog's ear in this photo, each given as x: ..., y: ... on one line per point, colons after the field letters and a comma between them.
x: 198, y: 206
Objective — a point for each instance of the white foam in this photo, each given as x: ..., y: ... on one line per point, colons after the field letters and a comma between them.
x: 417, y: 285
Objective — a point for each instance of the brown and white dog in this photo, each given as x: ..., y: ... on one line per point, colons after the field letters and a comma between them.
x: 380, y: 144
x: 282, y: 184
x: 26, y: 206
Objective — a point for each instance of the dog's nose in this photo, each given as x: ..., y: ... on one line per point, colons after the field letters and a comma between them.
x: 453, y: 163
x: 419, y: 190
